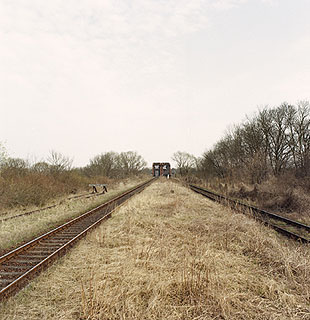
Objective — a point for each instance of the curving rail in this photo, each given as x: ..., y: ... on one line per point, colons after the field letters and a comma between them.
x: 299, y: 231
x: 20, y: 265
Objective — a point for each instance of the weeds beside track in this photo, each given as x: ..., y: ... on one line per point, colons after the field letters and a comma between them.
x: 23, y: 263
x: 290, y: 228
x: 87, y: 195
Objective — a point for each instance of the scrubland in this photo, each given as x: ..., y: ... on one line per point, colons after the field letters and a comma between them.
x: 27, y: 188
x: 284, y: 195
x: 24, y: 228
x: 264, y: 159
x: 172, y: 254
x: 26, y: 183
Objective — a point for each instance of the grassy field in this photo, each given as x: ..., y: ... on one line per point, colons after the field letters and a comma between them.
x: 172, y: 254
x: 24, y: 228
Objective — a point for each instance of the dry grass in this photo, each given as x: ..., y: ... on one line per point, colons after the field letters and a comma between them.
x: 173, y: 255
x: 281, y: 195
x: 285, y: 195
x: 24, y: 228
x: 33, y: 188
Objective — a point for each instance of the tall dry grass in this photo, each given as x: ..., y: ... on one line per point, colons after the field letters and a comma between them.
x: 171, y: 254
x: 24, y: 228
x: 286, y: 194
x: 37, y: 189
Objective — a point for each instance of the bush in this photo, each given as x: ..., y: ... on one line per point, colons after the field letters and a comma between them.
x: 37, y: 189
x: 22, y: 184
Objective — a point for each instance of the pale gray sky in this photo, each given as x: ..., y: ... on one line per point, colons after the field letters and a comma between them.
x: 84, y: 77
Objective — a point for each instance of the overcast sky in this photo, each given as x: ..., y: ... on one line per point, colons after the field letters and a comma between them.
x: 83, y: 77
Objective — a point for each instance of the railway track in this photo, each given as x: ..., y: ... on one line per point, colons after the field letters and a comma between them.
x: 290, y: 228
x: 20, y: 265
x: 87, y: 195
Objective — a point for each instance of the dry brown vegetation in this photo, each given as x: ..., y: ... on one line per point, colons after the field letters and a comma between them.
x: 32, y: 188
x: 282, y: 194
x: 264, y: 159
x: 24, y: 228
x: 285, y: 195
x: 24, y: 184
x: 171, y: 254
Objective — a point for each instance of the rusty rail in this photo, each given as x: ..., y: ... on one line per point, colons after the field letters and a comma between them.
x: 261, y: 215
x: 86, y: 195
x: 20, y: 265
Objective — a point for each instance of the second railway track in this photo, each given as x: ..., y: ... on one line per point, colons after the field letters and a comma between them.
x: 20, y: 265
x: 287, y: 227
x: 87, y: 195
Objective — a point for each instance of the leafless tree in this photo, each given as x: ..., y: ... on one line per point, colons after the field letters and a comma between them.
x: 131, y: 162
x: 58, y: 162
x: 3, y: 153
x: 185, y: 162
x: 41, y: 167
x: 104, y: 164
x: 299, y: 136
x: 273, y: 141
x: 13, y: 167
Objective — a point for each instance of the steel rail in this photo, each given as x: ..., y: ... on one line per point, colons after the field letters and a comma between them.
x: 257, y: 213
x: 86, y: 195
x: 23, y: 263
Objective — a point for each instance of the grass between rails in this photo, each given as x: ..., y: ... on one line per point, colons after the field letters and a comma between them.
x: 172, y: 254
x: 25, y: 228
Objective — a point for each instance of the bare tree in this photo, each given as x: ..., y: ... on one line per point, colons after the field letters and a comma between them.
x: 279, y: 151
x: 185, y: 162
x: 58, y: 162
x: 131, y: 162
x: 299, y: 136
x: 12, y: 167
x: 212, y: 164
x: 104, y: 164
x: 3, y: 153
x: 41, y: 167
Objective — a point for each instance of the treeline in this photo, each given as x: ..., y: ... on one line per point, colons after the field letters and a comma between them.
x: 24, y: 183
x: 113, y: 164
x: 265, y: 159
x: 273, y: 141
